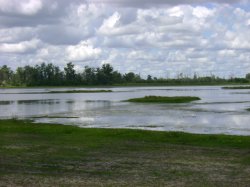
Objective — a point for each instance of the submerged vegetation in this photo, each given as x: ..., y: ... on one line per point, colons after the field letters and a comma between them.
x: 51, y: 75
x: 236, y: 87
x: 81, y: 91
x: 161, y: 99
x: 58, y: 155
x: 52, y: 117
x: 63, y: 91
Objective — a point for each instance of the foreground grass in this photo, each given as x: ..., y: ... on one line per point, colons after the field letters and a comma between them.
x: 160, y: 99
x: 236, y: 87
x: 57, y: 155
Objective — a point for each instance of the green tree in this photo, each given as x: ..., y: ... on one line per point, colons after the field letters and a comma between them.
x: 6, y: 75
x: 19, y: 77
x: 131, y: 77
x: 149, y: 78
x: 70, y: 73
x: 104, y: 74
x: 29, y: 76
x: 117, y: 77
x: 89, y: 75
x: 248, y: 76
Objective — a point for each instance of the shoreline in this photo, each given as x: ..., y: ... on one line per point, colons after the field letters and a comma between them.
x: 125, y: 85
x: 32, y: 120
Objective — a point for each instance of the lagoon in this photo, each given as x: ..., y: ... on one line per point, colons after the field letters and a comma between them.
x: 220, y: 111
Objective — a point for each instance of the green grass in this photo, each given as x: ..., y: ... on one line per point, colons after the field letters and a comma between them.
x: 236, y: 87
x: 58, y: 155
x: 161, y: 99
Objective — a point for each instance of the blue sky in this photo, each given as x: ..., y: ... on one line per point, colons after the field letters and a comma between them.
x: 161, y: 37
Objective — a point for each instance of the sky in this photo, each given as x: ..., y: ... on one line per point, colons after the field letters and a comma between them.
x: 162, y: 38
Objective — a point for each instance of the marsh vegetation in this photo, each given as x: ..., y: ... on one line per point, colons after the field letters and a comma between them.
x: 162, y: 99
x: 80, y: 91
x: 236, y: 87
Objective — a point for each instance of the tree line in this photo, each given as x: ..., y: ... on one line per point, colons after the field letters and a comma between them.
x: 51, y: 75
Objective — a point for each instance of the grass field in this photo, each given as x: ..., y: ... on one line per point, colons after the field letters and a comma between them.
x: 58, y: 155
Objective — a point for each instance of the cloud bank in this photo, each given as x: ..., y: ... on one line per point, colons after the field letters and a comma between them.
x: 162, y: 38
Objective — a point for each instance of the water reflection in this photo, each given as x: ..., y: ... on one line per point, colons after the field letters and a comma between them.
x: 6, y: 102
x: 219, y: 111
x: 38, y: 102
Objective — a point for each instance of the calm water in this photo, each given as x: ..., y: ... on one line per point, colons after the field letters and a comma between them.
x: 218, y: 111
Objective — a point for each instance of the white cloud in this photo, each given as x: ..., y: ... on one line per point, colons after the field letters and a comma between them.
x: 150, y: 3
x: 25, y: 7
x: 21, y: 47
x: 175, y: 12
x: 113, y: 26
x: 82, y: 52
x: 149, y: 37
x: 110, y: 23
x: 16, y: 34
x: 203, y: 12
x: 227, y: 53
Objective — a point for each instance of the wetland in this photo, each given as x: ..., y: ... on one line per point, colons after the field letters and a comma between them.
x: 219, y: 111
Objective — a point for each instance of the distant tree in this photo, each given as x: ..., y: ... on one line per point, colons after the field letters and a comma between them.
x: 19, y: 77
x: 195, y: 77
x: 51, y: 75
x: 248, y: 76
x: 30, y: 76
x: 58, y: 76
x: 5, y: 75
x: 117, y: 77
x: 70, y: 73
x: 104, y: 74
x: 131, y: 77
x: 89, y: 75
x: 149, y: 78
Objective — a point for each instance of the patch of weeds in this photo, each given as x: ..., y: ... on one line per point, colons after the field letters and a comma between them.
x: 162, y: 99
x: 52, y: 117
x: 236, y: 87
x: 81, y: 91
x: 6, y: 102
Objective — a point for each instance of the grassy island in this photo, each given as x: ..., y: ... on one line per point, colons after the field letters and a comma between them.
x: 236, y: 87
x: 161, y: 99
x: 58, y: 155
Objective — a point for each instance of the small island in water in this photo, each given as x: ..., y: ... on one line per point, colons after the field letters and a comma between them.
x: 163, y: 99
x: 236, y: 87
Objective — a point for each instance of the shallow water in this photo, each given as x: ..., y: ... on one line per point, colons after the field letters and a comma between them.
x: 218, y: 111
